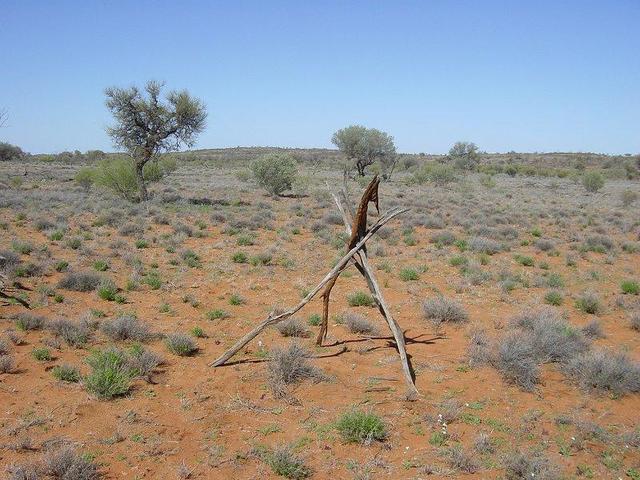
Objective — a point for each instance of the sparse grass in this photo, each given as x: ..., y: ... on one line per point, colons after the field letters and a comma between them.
x: 28, y: 321
x: 524, y: 260
x: 75, y: 334
x: 292, y: 327
x: 605, y: 371
x: 80, y: 281
x: 66, y: 373
x: 530, y: 465
x: 216, y: 314
x: 107, y: 290
x: 357, y: 323
x: 409, y: 274
x: 554, y: 297
x: 236, y: 299
x: 630, y: 287
x: 181, y: 344
x: 126, y: 327
x: 290, y: 366
x: 285, y: 463
x: 438, y: 310
x: 101, y: 265
x: 589, y: 302
x: 462, y: 461
x: 239, y: 257
x: 360, y: 299
x: 357, y: 426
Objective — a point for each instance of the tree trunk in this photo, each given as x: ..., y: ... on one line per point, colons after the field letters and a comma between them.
x: 142, y: 187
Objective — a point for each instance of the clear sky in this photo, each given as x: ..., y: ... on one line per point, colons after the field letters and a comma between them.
x: 547, y: 75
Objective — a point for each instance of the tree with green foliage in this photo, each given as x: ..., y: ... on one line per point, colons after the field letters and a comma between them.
x: 592, y: 181
x: 464, y: 155
x: 146, y: 126
x: 275, y: 172
x: 364, y: 146
x: 10, y: 152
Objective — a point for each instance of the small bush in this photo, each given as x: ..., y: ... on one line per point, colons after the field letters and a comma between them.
x: 240, y: 257
x: 592, y: 181
x: 107, y: 290
x: 630, y: 287
x: 275, y: 172
x: 80, y: 282
x: 443, y: 238
x: 216, y: 314
x: 357, y: 323
x: 66, y: 373
x: 442, y: 310
x: 357, y: 426
x: 484, y: 245
x: 554, y: 297
x: 292, y: 327
x: 462, y: 461
x: 41, y: 354
x: 236, y: 299
x: 285, y: 463
x: 75, y: 334
x: 409, y: 274
x: 110, y: 376
x: 524, y: 260
x: 360, y: 299
x: 28, y: 321
x: 7, y: 363
x: 531, y: 465
x: 180, y: 344
x: 589, y: 302
x: 634, y: 318
x: 603, y: 370
x: 126, y: 327
x: 516, y: 361
x: 142, y: 362
x: 290, y: 366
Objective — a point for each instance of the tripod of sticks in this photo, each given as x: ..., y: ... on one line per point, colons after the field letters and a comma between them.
x: 356, y: 228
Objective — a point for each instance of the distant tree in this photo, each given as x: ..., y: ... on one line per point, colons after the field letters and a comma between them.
x: 146, y: 126
x: 365, y: 146
x: 592, y: 181
x: 275, y: 172
x: 10, y: 152
x: 464, y: 155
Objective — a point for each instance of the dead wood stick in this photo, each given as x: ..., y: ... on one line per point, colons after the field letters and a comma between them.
x: 272, y: 320
x: 362, y: 263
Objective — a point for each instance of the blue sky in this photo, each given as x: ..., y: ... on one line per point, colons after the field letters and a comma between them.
x: 508, y: 75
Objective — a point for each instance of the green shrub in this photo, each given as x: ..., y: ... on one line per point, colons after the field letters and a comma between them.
x: 85, y: 177
x: 524, y: 260
x: 589, y: 303
x: 409, y: 274
x: 361, y: 427
x: 592, y: 181
x: 360, y: 299
x: 554, y: 297
x: 66, y: 373
x: 107, y: 290
x: 119, y: 176
x: 41, y: 354
x: 630, y: 287
x: 180, y: 344
x: 110, y: 375
x: 236, y: 299
x: 216, y: 314
x: 101, y: 265
x: 239, y: 257
x: 442, y: 174
x: 314, y: 319
x: 275, y: 172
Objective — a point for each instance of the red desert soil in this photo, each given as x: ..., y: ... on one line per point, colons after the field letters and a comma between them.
x: 210, y: 420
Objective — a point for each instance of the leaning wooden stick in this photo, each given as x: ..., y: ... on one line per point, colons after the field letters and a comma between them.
x: 362, y: 264
x: 272, y: 320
